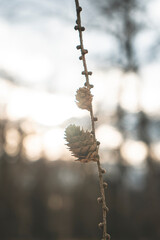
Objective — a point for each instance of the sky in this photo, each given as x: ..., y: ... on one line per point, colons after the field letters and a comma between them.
x: 39, y: 57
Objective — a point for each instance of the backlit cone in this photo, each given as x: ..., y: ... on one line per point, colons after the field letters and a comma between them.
x: 84, y: 98
x: 81, y: 143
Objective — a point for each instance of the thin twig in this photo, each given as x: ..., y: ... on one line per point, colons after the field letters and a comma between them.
x: 80, y: 29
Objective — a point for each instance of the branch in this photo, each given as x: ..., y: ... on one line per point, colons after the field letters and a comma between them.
x: 102, y: 184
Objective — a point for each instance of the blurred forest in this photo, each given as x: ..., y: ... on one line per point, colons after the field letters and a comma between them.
x: 57, y: 200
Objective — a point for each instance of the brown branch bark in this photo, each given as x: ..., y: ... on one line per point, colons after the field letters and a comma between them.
x: 103, y: 185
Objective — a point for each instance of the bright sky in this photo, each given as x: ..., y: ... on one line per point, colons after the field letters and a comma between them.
x: 40, y: 53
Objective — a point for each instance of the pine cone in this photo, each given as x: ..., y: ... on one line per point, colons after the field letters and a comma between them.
x: 84, y: 98
x: 81, y: 144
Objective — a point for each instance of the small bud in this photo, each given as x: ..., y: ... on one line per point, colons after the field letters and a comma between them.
x: 89, y: 73
x: 82, y: 29
x: 80, y: 58
x: 103, y: 170
x: 83, y: 73
x: 95, y: 119
x: 105, y: 185
x: 79, y: 9
x: 99, y: 199
x: 100, y: 225
x: 91, y: 86
x: 78, y: 47
x: 76, y: 27
x: 98, y: 143
x: 85, y: 51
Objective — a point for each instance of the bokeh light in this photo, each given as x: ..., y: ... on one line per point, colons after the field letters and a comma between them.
x: 44, y: 194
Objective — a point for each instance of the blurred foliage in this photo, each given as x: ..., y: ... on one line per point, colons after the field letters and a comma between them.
x: 57, y: 200
x: 125, y: 23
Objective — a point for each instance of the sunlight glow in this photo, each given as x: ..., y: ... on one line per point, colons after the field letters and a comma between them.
x: 129, y: 98
x: 53, y: 144
x: 12, y: 141
x: 36, y: 56
x: 32, y: 145
x: 49, y: 144
x: 150, y: 97
x: 134, y: 152
x: 110, y: 137
x: 25, y: 57
x: 44, y: 108
x: 106, y: 88
x: 155, y: 151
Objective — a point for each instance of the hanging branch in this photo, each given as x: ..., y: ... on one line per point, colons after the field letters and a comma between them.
x: 84, y: 145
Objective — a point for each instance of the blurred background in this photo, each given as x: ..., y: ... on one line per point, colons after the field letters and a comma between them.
x: 44, y: 194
